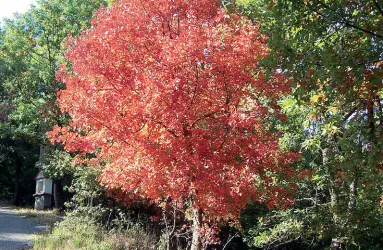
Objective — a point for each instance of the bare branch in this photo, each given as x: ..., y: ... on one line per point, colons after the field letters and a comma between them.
x: 229, y: 240
x: 350, y: 114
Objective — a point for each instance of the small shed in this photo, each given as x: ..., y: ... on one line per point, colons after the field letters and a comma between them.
x: 44, y: 188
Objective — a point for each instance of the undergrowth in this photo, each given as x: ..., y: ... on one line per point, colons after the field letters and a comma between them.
x: 80, y: 233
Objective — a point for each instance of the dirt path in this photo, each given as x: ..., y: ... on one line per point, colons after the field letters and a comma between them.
x: 16, y: 232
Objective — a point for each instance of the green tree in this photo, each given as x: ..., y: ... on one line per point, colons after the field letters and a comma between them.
x: 32, y: 47
x: 332, y: 52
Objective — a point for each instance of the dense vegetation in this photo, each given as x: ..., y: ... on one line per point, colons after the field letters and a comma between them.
x: 185, y: 124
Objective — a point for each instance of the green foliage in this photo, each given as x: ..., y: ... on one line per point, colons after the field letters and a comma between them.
x: 331, y: 52
x: 32, y: 45
x: 88, y: 197
x: 12, y: 154
x: 56, y: 163
x: 94, y: 221
x: 288, y: 229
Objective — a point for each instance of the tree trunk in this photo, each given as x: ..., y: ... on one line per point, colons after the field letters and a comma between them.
x: 352, y: 201
x: 196, y: 240
x: 58, y: 194
x: 353, y: 188
x: 334, y: 203
x: 16, y: 194
x: 332, y: 191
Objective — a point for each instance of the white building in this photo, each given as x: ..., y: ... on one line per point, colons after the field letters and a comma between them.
x: 43, y: 195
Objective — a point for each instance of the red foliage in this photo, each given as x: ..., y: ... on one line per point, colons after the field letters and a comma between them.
x: 166, y: 95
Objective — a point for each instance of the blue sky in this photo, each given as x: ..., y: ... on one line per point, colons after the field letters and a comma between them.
x: 8, y: 7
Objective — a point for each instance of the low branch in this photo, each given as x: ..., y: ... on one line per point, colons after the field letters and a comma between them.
x: 229, y: 240
x: 287, y: 242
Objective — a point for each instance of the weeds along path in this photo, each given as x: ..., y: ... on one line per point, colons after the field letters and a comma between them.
x: 16, y: 232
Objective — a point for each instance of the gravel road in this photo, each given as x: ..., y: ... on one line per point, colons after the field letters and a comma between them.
x: 16, y: 232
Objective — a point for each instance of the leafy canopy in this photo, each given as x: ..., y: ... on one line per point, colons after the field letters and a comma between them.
x: 166, y: 95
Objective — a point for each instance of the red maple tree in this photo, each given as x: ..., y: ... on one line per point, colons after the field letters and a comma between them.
x: 167, y: 96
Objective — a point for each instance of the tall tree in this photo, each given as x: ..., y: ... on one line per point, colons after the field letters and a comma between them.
x: 169, y: 98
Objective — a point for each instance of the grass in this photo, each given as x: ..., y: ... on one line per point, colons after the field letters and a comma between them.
x: 76, y: 233
x: 45, y: 218
x: 42, y: 217
x: 68, y: 236
x: 70, y: 232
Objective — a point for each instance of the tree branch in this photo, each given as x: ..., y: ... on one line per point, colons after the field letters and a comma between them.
x: 345, y: 118
x: 202, y: 117
x: 378, y: 7
x: 377, y: 99
x: 346, y: 22
x: 167, y: 129
x: 361, y: 29
x: 229, y: 240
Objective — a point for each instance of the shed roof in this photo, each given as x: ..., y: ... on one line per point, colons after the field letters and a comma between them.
x: 41, y: 175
